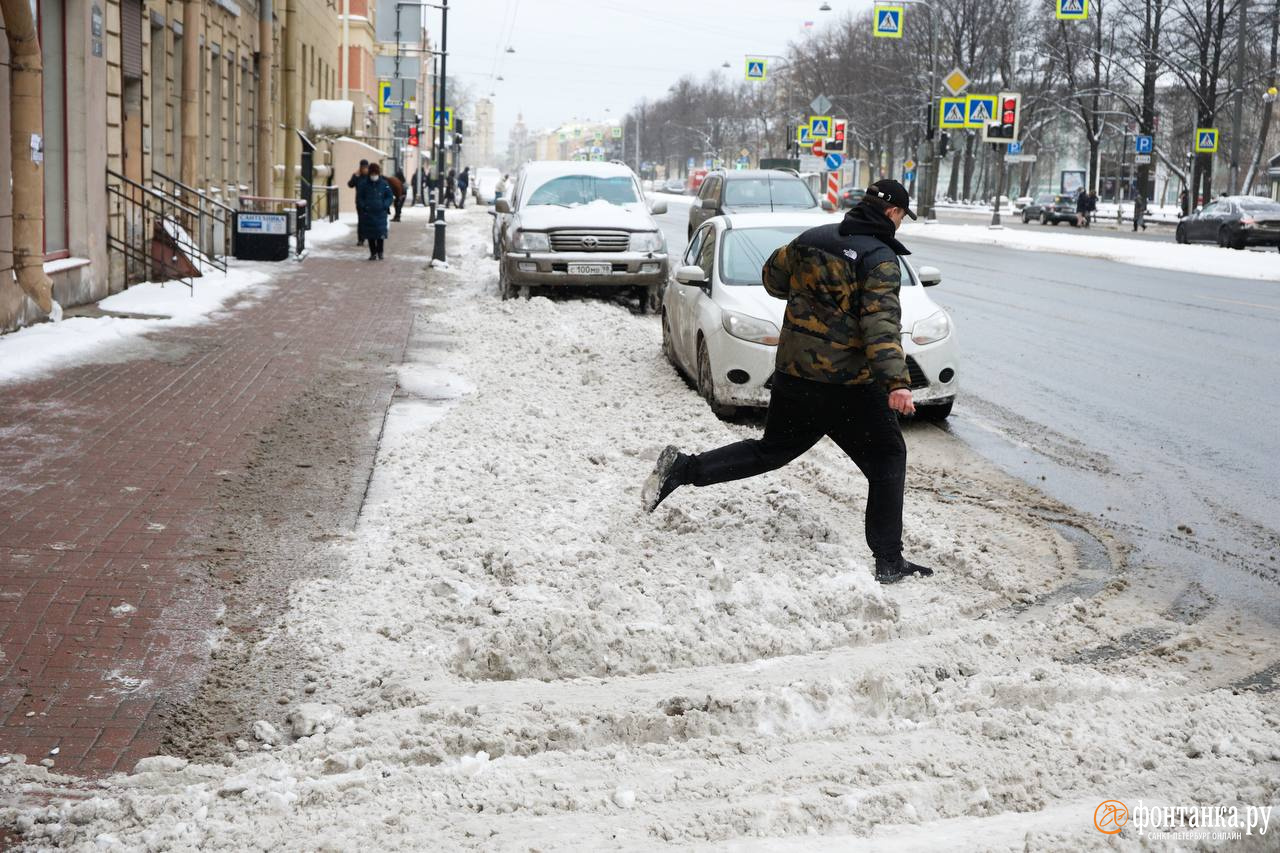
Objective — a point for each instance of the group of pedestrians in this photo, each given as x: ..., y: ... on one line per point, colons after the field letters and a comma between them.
x: 1086, y: 207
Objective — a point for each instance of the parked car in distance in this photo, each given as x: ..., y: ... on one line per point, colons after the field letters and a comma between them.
x: 485, y: 183
x: 851, y: 194
x: 580, y: 225
x: 750, y: 190
x: 1051, y: 208
x: 720, y: 327
x: 1233, y: 221
x: 1021, y: 202
x: 674, y: 185
x: 696, y: 177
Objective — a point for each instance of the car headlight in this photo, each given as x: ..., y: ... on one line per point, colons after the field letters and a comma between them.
x: 749, y: 328
x: 935, y: 327
x: 646, y: 241
x: 529, y: 241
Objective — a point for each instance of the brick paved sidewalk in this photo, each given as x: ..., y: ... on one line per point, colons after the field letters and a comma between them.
x: 108, y: 478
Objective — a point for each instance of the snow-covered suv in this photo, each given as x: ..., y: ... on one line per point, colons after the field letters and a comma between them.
x: 581, y: 225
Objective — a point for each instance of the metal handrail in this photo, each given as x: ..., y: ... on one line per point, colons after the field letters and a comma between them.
x: 134, y: 185
x: 155, y: 173
x: 136, y: 213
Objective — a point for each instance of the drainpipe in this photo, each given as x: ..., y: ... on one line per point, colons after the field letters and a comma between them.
x: 346, y: 49
x: 292, y: 144
x: 191, y: 31
x: 264, y: 177
x: 27, y: 122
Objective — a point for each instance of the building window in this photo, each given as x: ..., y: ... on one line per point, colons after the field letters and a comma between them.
x: 54, y: 55
x: 215, y: 118
x: 159, y: 102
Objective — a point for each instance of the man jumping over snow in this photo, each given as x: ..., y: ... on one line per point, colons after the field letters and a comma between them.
x: 840, y: 371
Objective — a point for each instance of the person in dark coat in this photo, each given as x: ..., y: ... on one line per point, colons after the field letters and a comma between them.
x: 374, y: 198
x: 352, y: 182
x: 397, y: 187
x: 464, y: 181
x: 451, y: 189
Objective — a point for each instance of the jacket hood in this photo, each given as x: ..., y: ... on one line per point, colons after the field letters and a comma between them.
x: 870, y: 221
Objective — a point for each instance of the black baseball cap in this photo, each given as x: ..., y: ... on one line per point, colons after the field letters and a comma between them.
x: 894, y: 193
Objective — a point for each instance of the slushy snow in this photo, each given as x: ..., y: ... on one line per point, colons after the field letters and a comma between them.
x: 513, y: 656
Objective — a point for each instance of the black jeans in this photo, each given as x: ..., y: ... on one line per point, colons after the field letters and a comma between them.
x: 856, y: 417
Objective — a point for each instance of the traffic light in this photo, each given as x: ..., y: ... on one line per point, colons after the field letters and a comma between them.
x: 413, y: 136
x: 944, y: 143
x: 835, y: 145
x: 1008, y: 123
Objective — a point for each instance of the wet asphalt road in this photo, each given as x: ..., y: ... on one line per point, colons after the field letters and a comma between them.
x: 1147, y: 399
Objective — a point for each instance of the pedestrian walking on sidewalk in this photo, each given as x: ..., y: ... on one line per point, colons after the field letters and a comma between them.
x: 353, y: 182
x: 397, y: 188
x: 501, y: 188
x: 1140, y: 212
x: 464, y: 181
x: 451, y: 189
x: 839, y: 371
x: 373, y: 203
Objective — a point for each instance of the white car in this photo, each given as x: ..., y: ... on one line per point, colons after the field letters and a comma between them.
x: 483, y: 184
x: 720, y: 326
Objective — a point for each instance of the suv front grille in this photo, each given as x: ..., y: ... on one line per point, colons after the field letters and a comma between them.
x: 590, y: 241
x: 918, y: 379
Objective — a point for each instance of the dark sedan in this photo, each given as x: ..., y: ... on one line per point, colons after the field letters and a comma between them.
x: 851, y: 194
x: 1050, y: 208
x: 1233, y: 221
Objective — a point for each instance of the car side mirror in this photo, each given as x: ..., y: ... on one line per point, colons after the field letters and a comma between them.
x: 658, y: 206
x: 709, y: 204
x: 691, y: 274
x: 502, y: 206
x: 929, y: 276
x: 827, y: 205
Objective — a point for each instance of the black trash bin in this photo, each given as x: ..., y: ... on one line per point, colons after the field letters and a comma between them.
x: 261, y: 236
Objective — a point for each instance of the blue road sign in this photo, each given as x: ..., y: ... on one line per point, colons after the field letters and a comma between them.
x: 908, y: 176
x: 835, y: 161
x: 690, y: 163
x: 1015, y: 148
x: 1143, y: 144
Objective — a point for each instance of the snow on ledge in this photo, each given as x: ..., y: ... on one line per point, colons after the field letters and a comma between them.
x: 64, y: 264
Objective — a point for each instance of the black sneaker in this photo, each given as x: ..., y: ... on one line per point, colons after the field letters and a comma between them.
x: 892, y: 571
x: 665, y: 479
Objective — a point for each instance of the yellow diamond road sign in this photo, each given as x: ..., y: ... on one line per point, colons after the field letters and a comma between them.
x: 956, y: 82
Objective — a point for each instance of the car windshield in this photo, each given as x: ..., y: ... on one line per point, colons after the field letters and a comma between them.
x: 1044, y: 199
x: 571, y: 190
x: 743, y: 252
x: 764, y: 192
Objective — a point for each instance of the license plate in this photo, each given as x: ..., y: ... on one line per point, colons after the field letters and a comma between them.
x: 590, y: 269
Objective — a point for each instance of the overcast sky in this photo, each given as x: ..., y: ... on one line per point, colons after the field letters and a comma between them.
x: 575, y: 58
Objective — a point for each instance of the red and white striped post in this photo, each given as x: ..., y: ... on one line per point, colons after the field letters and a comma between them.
x: 833, y: 189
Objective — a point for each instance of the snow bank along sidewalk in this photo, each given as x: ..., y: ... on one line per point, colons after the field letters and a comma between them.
x: 513, y: 656
x: 1143, y: 253
x: 152, y: 306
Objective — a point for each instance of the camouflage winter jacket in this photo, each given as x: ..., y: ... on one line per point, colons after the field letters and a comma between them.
x: 843, y: 320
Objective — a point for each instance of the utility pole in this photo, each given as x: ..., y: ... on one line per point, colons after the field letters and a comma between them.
x: 437, y: 249
x: 1236, y: 118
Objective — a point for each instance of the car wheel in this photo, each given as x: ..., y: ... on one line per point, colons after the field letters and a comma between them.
x: 934, y: 412
x: 1180, y: 234
x: 1044, y: 219
x: 668, y: 343
x: 1025, y: 218
x: 707, y: 384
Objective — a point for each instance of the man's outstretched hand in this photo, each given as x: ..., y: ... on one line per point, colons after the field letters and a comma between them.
x: 900, y: 402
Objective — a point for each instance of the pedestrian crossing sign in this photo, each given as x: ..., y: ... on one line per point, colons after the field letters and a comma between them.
x: 757, y: 70
x: 1206, y: 140
x: 1071, y: 10
x: 384, y: 96
x: 803, y: 136
x: 887, y: 22
x: 951, y: 113
x: 444, y: 117
x: 980, y: 110
x: 819, y: 127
